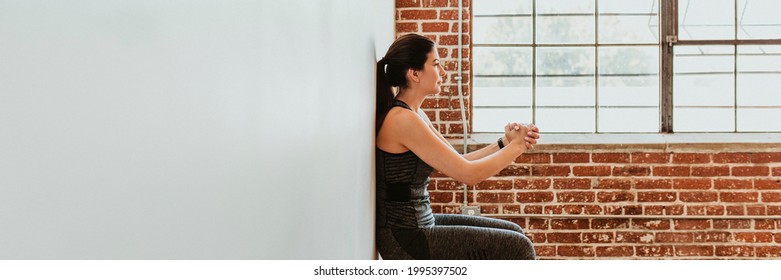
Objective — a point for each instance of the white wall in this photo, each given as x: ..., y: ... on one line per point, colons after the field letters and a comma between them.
x: 188, y: 129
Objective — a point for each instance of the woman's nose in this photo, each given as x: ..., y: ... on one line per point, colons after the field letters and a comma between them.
x: 441, y: 71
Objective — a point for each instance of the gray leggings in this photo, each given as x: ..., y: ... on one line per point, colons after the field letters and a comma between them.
x: 457, y: 237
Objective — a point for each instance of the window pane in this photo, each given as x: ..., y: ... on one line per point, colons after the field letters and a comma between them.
x: 629, y: 119
x: 502, y: 92
x: 624, y: 6
x: 706, y: 19
x: 492, y: 30
x: 759, y: 119
x: 494, y: 120
x: 703, y: 59
x: 703, y: 120
x: 502, y: 61
x: 629, y: 29
x: 629, y: 91
x: 564, y: 6
x: 759, y: 76
x: 565, y: 29
x: 758, y: 19
x: 502, y: 7
x: 565, y: 91
x: 566, y: 120
x: 565, y: 60
x: 628, y: 60
x: 703, y: 76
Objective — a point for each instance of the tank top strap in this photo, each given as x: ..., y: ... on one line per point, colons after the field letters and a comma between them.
x: 400, y: 103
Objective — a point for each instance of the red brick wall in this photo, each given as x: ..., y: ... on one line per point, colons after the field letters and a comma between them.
x: 438, y: 20
x: 621, y: 201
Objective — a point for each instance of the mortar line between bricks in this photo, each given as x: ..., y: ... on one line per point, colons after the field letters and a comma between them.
x: 576, y: 216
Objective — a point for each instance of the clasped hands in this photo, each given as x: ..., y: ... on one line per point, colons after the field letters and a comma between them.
x: 516, y: 132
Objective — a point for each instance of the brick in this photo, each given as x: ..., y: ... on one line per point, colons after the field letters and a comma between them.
x: 406, y: 27
x: 490, y: 197
x: 515, y: 170
x: 597, y: 237
x: 672, y: 171
x: 535, y: 224
x: 532, y: 209
x: 464, y: 28
x: 693, y: 250
x: 650, y: 224
x: 452, y: 40
x: 765, y: 157
x: 534, y: 158
x: 606, y: 197
x: 767, y: 184
x: 739, y: 197
x: 407, y: 3
x: 615, y: 251
x: 632, y: 209
x: 573, y: 209
x: 610, y: 224
x: 674, y: 237
x: 464, y: 3
x: 755, y: 210
x: 575, y: 251
x: 434, y: 103
x: 537, y: 237
x: 455, y: 129
x: 764, y: 224
x: 735, y: 251
x: 731, y: 158
x: 494, y: 185
x: 710, y: 171
x: 448, y: 185
x: 592, y: 209
x: 418, y: 14
x: 545, y: 251
x: 440, y: 197
x: 451, y: 116
x: 569, y: 224
x: 768, y: 251
x: 736, y: 210
x: 550, y: 170
x: 435, y: 3
x: 754, y: 237
x: 689, y: 184
x: 653, y: 210
x: 691, y: 158
x: 698, y: 196
x: 629, y: 171
x: 460, y: 197
x: 531, y: 197
x: 634, y: 237
x: 443, y: 53
x: 533, y: 184
x: 591, y: 170
x: 489, y: 209
x: 750, y: 171
x: 574, y: 197
x: 711, y: 237
x: 610, y: 157
x: 650, y: 158
x: 465, y: 52
x: 731, y: 224
x: 653, y: 184
x: 691, y: 224
x: 553, y: 209
x: 776, y: 171
x: 771, y: 197
x: 435, y: 27
x: 511, y: 209
x: 656, y: 196
x: 654, y: 251
x: 732, y: 184
x: 571, y: 183
x: 564, y: 237
x: 570, y: 158
x: 453, y: 15
x: 673, y: 210
x: 622, y: 184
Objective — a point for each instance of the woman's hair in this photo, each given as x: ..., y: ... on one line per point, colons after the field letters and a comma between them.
x: 407, y: 52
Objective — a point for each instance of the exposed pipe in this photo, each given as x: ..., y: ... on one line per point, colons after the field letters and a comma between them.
x: 459, y: 82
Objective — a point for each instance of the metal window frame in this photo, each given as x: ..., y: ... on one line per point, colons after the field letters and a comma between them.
x: 668, y: 39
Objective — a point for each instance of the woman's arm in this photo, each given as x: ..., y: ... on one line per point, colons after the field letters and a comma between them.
x: 416, y: 135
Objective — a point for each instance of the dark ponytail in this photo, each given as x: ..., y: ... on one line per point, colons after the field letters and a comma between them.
x: 409, y: 51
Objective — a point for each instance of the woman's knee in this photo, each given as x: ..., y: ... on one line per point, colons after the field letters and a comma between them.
x: 525, y: 248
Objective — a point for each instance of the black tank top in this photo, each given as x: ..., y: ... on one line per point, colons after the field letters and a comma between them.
x: 402, y: 198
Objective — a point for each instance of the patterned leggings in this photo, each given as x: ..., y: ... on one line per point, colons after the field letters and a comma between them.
x: 457, y: 237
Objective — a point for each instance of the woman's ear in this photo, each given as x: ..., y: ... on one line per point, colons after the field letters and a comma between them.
x: 412, y: 75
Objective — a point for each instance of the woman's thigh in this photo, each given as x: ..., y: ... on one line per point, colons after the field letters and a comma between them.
x: 470, y: 242
x: 475, y: 221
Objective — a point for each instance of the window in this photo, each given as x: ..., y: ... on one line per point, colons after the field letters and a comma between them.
x: 593, y: 66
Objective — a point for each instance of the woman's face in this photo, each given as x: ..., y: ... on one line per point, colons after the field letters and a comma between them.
x: 432, y: 73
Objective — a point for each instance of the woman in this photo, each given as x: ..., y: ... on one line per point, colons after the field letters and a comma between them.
x: 409, y: 148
